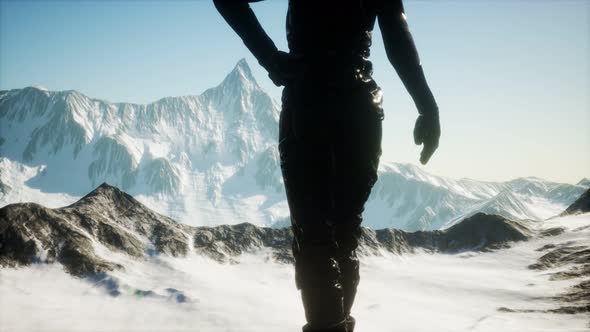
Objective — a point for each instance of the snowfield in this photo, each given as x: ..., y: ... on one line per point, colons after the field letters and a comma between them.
x: 414, y: 293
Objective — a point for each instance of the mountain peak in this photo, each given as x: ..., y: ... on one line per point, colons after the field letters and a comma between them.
x: 585, y: 182
x: 39, y: 87
x: 107, y: 195
x: 240, y: 76
x: 105, y: 189
x: 106, y: 186
x: 243, y: 66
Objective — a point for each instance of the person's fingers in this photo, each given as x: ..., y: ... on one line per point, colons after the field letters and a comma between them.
x: 425, y: 155
x: 429, y: 147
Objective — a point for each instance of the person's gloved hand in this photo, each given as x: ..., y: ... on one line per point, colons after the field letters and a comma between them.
x: 427, y: 132
x: 284, y: 67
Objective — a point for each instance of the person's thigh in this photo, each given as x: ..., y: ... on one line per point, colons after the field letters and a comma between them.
x: 356, y: 155
x: 306, y: 162
x: 330, y: 145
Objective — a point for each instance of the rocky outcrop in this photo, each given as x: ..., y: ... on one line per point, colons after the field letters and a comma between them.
x: 568, y: 261
x: 581, y: 205
x: 481, y: 232
x: 224, y: 242
x: 31, y: 233
x: 72, y: 235
x: 108, y: 218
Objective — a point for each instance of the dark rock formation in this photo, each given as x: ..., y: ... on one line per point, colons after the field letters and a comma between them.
x: 480, y: 232
x: 561, y: 255
x: 575, y: 261
x: 222, y: 242
x: 30, y: 233
x: 111, y: 218
x: 585, y: 182
x: 581, y: 205
x: 107, y: 216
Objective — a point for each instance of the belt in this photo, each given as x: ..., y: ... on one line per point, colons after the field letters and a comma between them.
x: 334, y: 71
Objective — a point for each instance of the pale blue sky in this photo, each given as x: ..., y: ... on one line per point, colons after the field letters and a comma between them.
x: 512, y: 77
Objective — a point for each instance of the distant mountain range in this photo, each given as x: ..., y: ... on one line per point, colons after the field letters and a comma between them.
x: 107, y: 221
x: 211, y: 159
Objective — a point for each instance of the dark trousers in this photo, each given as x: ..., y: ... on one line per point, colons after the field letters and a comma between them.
x: 329, y: 144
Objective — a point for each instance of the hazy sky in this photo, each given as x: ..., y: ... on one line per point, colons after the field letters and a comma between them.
x: 512, y: 77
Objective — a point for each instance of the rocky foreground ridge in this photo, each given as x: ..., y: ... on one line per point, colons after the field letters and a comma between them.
x: 566, y: 261
x: 109, y: 218
x: 581, y: 205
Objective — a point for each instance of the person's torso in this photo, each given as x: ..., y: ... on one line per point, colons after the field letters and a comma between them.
x: 330, y: 28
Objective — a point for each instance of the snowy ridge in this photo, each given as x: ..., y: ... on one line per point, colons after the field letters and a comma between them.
x: 109, y: 218
x: 407, y: 197
x: 212, y: 159
x: 177, y: 151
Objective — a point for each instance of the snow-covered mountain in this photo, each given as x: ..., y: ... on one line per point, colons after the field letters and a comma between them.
x: 206, y: 159
x: 211, y: 159
x: 409, y: 198
x: 109, y: 219
x: 129, y: 268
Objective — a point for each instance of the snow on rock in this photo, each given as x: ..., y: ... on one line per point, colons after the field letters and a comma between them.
x: 110, y: 218
x: 581, y: 205
x: 535, y: 285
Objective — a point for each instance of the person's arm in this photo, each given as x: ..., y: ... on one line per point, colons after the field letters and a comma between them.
x: 401, y: 52
x: 241, y: 18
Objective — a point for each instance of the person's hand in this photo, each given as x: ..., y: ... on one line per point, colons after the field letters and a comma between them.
x: 284, y: 67
x: 427, y: 132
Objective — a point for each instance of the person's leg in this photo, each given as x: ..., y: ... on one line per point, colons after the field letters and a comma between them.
x: 347, y: 238
x: 357, y: 150
x: 330, y: 149
x: 306, y: 166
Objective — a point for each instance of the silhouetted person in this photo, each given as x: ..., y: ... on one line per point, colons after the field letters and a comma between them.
x: 330, y: 132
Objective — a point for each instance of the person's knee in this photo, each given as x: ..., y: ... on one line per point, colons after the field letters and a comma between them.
x: 347, y: 233
x: 316, y: 265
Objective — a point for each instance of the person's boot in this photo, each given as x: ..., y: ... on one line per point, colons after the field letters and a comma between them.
x: 349, y: 281
x: 349, y: 287
x: 341, y: 327
x: 324, y: 309
x: 350, y: 323
x: 349, y: 272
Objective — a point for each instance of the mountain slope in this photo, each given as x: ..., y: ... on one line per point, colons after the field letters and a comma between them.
x: 137, y: 263
x: 212, y: 159
x: 407, y: 197
x: 581, y: 205
x: 83, y: 235
x: 176, y: 151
